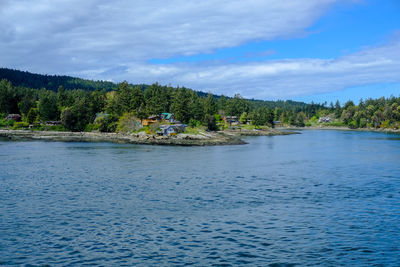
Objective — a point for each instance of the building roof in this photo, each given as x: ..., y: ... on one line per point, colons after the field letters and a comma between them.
x: 167, y: 115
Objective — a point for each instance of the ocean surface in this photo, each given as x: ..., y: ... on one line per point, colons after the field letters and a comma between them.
x: 323, y: 197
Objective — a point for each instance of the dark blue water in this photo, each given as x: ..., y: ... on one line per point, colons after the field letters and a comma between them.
x: 320, y: 198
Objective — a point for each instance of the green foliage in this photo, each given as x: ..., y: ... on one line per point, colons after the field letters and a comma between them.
x: 154, y: 127
x: 352, y: 124
x: 51, y: 82
x: 8, y: 101
x: 48, y: 109
x: 211, y: 123
x: 6, y: 123
x: 76, y: 117
x: 243, y: 117
x: 157, y: 99
x: 313, y: 119
x: 77, y: 108
x: 106, y: 124
x: 128, y: 123
x: 192, y: 130
x: 194, y: 123
x: 20, y: 125
x: 263, y: 116
x: 237, y: 105
x: 32, y: 115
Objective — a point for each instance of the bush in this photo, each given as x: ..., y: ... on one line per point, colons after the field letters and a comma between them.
x: 353, y: 124
x: 192, y: 130
x: 314, y: 119
x: 211, y: 123
x: 194, y: 123
x: 154, y: 127
x: 92, y: 127
x: 385, y: 124
x: 106, y: 124
x: 32, y: 115
x: 128, y: 123
x: 20, y: 125
x: 6, y: 123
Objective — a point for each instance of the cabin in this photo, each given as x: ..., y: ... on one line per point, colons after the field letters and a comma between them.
x: 52, y: 123
x: 166, y: 130
x: 14, y: 117
x: 232, y: 120
x: 325, y: 119
x: 169, y: 117
x: 169, y: 129
x: 151, y: 119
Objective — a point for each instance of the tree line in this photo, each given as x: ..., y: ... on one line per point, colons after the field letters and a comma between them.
x: 77, y: 108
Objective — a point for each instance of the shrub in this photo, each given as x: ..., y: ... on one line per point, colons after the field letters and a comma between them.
x: 353, y: 124
x: 154, y: 127
x: 20, y: 125
x: 385, y: 124
x: 92, y: 127
x: 32, y: 115
x: 106, y: 124
x: 194, y: 123
x: 211, y: 123
x: 128, y: 123
x: 6, y: 123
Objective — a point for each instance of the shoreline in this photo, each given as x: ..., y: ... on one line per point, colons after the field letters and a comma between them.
x: 201, y: 139
x: 179, y: 140
x: 343, y: 128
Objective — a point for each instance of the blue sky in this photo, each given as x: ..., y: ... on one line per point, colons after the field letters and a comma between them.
x: 346, y: 28
x: 315, y: 50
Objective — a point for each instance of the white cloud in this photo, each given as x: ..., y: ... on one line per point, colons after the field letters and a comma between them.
x: 280, y: 78
x: 115, y: 39
x: 45, y: 34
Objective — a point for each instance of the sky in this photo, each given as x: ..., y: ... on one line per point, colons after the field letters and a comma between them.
x: 314, y: 50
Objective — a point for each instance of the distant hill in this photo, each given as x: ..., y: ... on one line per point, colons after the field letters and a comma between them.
x: 52, y: 82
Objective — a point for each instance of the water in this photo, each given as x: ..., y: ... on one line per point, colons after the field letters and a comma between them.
x: 320, y: 198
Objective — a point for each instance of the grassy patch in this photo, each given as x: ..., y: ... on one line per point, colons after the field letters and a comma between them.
x: 193, y: 130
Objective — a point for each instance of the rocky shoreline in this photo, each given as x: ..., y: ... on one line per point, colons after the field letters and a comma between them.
x: 181, y: 139
x: 201, y: 139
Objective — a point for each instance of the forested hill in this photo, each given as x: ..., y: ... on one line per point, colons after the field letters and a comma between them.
x: 52, y: 82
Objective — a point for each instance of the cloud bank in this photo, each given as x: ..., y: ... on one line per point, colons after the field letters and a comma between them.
x: 116, y: 39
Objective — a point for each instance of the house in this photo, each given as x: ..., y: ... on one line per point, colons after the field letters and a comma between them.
x: 52, y: 123
x: 14, y: 117
x: 169, y: 129
x: 179, y: 128
x: 151, y: 119
x: 166, y: 130
x: 325, y: 119
x: 168, y: 117
x: 232, y: 120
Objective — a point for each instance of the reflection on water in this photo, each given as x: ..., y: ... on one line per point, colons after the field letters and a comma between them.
x: 322, y: 197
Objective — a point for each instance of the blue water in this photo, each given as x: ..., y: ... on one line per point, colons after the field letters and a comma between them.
x: 319, y: 198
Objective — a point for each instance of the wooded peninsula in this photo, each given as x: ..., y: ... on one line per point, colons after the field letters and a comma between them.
x: 61, y: 103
